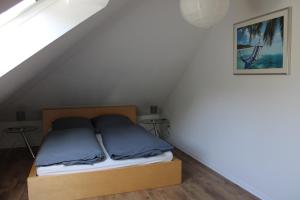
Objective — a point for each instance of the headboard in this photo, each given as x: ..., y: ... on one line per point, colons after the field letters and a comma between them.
x: 51, y: 114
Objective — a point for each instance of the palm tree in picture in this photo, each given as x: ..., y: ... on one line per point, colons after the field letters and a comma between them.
x: 268, y: 33
x: 265, y: 31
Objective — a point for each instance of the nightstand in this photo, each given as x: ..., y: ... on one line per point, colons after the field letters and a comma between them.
x: 155, y: 121
x: 22, y: 130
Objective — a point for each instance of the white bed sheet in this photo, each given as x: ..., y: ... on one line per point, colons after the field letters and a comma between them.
x: 108, y: 163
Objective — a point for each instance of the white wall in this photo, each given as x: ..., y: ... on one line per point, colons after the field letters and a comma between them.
x: 246, y: 128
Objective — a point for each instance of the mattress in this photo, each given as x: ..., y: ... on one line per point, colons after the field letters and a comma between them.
x: 108, y: 163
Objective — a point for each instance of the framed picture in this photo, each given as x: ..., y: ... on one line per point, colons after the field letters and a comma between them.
x: 262, y: 44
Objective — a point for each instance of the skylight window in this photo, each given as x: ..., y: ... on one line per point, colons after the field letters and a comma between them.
x: 15, y: 10
x: 40, y: 24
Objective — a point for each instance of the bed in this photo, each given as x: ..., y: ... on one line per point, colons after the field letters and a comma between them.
x: 91, y: 183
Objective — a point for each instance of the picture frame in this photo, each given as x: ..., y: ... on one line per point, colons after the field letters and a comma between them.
x: 262, y: 44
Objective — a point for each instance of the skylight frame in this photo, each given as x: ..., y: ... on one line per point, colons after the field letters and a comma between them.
x: 15, y: 11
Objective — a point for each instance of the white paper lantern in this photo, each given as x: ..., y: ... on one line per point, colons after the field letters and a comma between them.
x: 204, y: 13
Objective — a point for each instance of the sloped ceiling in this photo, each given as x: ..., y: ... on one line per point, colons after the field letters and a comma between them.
x: 135, y: 56
x: 21, y: 74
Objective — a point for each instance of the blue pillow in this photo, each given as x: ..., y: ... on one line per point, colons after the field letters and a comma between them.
x: 71, y: 123
x: 70, y: 147
x: 110, y: 120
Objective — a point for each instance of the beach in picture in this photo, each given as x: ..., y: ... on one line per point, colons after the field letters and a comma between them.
x: 260, y: 45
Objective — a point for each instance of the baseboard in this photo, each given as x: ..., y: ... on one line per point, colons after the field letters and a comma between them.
x: 226, y: 175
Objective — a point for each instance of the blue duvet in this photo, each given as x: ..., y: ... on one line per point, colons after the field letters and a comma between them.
x: 132, y: 141
x: 70, y: 147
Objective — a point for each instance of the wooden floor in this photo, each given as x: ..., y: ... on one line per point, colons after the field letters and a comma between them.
x: 199, y: 182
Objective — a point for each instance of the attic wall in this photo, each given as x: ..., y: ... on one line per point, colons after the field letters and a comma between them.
x: 135, y: 57
x: 244, y: 127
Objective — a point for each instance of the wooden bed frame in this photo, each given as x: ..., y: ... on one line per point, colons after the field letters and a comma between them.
x: 99, y: 183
